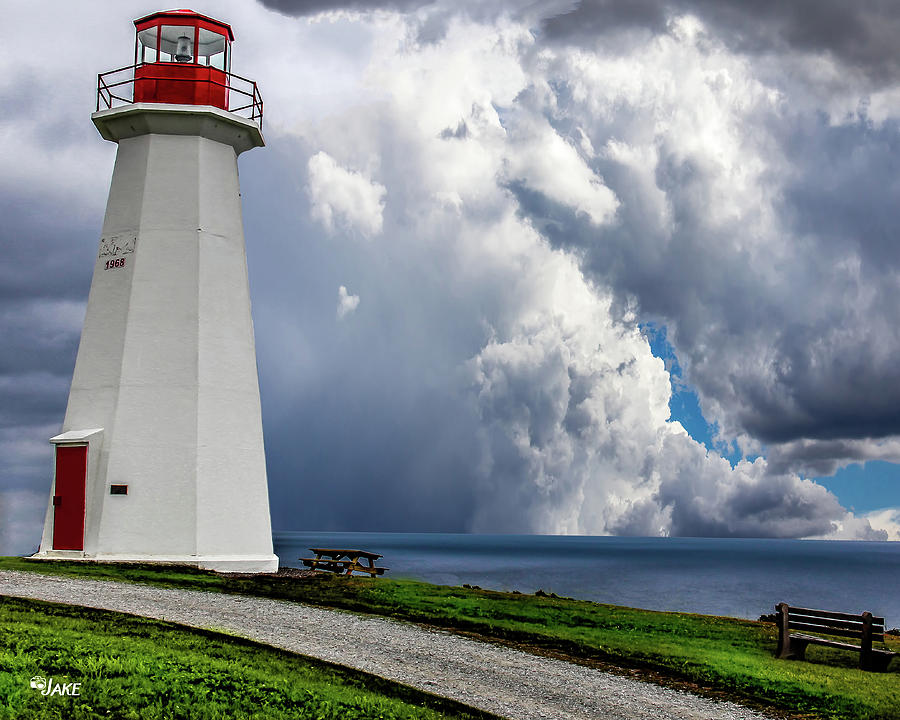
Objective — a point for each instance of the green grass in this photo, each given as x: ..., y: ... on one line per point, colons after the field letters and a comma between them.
x: 138, y: 668
x: 724, y: 654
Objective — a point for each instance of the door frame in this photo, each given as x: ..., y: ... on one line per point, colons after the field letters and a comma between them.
x: 93, y: 438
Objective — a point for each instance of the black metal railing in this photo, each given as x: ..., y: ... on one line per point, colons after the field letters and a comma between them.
x: 116, y: 88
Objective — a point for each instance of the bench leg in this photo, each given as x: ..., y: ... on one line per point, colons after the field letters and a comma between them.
x: 788, y: 648
x: 878, y: 663
x: 793, y: 650
x: 363, y: 569
x: 865, y: 650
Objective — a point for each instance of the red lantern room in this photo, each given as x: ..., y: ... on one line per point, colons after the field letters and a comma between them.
x: 182, y: 57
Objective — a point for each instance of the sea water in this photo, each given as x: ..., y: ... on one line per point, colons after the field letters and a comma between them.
x: 734, y: 577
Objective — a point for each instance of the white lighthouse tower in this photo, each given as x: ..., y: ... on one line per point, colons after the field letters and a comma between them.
x: 160, y: 458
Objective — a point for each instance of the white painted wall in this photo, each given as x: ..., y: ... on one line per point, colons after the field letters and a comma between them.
x: 167, y: 360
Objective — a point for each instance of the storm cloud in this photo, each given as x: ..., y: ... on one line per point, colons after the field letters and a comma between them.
x: 514, y: 190
x: 860, y: 37
x: 769, y: 254
x: 312, y: 7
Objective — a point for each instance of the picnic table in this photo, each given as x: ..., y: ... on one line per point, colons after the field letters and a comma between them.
x: 344, y: 562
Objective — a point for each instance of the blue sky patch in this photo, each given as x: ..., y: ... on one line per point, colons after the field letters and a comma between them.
x: 684, y: 405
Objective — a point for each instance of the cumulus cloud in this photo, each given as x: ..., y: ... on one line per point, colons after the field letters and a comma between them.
x: 886, y: 521
x: 719, y: 229
x: 545, y: 380
x: 347, y: 303
x: 345, y: 199
x: 542, y: 161
x: 576, y: 440
x: 712, y: 167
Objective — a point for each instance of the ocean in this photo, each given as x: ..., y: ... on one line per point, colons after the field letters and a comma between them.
x: 734, y: 577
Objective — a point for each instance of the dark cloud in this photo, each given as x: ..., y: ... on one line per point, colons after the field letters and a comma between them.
x: 846, y: 187
x: 48, y: 251
x: 825, y: 458
x: 49, y: 241
x: 459, y: 133
x: 311, y: 7
x: 33, y: 399
x: 860, y: 35
x: 21, y: 519
x: 431, y: 27
x: 48, y: 248
x: 357, y: 466
x: 592, y: 19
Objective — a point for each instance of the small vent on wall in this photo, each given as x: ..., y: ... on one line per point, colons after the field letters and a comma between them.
x: 118, y: 489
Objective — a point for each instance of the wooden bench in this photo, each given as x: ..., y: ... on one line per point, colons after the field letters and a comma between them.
x: 344, y: 562
x: 864, y: 627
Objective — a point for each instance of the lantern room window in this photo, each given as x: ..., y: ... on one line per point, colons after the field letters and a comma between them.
x: 176, y: 43
x: 147, y: 41
x: 212, y: 49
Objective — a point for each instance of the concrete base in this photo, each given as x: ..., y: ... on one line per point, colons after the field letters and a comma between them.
x: 218, y: 563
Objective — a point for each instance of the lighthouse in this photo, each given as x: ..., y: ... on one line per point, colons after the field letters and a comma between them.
x: 161, y: 456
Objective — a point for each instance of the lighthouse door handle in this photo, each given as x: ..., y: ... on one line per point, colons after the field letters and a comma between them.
x: 57, y: 500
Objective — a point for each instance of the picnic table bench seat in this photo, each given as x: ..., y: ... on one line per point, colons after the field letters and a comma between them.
x: 865, y: 627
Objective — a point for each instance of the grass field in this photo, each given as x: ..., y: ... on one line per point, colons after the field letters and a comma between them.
x: 144, y: 669
x: 722, y: 654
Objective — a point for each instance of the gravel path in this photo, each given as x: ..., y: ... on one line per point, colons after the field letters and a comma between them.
x: 504, y: 681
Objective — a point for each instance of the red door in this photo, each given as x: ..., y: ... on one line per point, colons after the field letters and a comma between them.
x: 68, y: 502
